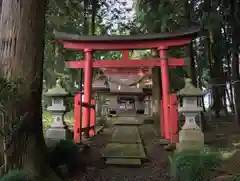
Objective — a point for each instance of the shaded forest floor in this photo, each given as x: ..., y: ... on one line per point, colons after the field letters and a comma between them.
x: 223, y: 135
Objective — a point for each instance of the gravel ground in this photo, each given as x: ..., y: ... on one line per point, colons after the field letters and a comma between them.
x: 154, y: 170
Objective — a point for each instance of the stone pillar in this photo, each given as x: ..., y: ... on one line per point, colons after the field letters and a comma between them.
x: 97, y: 108
x: 148, y: 110
x: 100, y: 102
x: 97, y: 104
x: 191, y: 136
x: 103, y: 104
x: 145, y: 105
x: 58, y: 129
x: 150, y: 106
x: 156, y: 94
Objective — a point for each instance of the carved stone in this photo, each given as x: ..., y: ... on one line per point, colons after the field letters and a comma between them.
x: 191, y: 136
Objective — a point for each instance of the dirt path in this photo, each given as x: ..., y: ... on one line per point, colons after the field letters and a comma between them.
x: 96, y: 170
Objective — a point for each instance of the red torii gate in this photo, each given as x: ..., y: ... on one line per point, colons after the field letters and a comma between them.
x: 161, y: 41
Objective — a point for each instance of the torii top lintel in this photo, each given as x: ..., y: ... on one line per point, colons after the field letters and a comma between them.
x: 119, y: 42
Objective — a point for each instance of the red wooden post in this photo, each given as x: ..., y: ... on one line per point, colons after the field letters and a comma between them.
x: 87, y: 89
x: 173, y: 117
x: 165, y: 89
x: 124, y: 54
x: 77, y: 114
x: 92, y: 120
x: 155, y: 62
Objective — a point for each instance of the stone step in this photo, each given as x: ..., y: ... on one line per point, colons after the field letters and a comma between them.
x: 127, y: 151
x: 126, y: 143
x: 119, y: 161
x: 126, y: 134
x: 128, y: 121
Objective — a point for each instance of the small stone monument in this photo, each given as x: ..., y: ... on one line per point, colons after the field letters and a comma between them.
x: 58, y: 130
x: 191, y: 136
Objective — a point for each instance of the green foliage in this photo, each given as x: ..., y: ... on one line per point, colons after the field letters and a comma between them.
x: 194, y: 166
x: 176, y: 78
x: 69, y: 103
x: 66, y: 153
x: 236, y: 177
x: 17, y: 175
x: 83, y: 18
x: 47, y: 120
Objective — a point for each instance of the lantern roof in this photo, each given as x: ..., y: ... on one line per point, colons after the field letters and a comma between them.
x: 190, y: 90
x: 57, y: 91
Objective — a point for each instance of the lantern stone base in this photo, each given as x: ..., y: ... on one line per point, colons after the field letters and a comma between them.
x: 188, y: 147
x: 55, y: 135
x: 190, y: 140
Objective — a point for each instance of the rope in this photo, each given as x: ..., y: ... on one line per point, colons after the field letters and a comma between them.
x: 125, y: 85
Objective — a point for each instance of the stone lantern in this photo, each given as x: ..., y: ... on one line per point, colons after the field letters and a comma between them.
x: 97, y: 102
x: 191, y: 136
x: 58, y: 130
x: 147, y: 108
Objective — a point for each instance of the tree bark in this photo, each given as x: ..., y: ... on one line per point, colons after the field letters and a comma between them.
x: 191, y: 67
x: 216, y: 70
x: 1, y: 124
x: 22, y: 48
x: 235, y: 58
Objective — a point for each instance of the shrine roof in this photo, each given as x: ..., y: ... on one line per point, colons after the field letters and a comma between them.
x: 185, y: 32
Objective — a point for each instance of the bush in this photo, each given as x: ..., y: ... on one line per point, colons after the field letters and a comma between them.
x: 65, y: 155
x: 16, y: 175
x: 194, y: 166
x: 236, y: 177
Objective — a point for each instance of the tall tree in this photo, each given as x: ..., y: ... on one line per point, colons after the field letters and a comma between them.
x: 235, y: 12
x: 21, y: 49
x: 188, y: 7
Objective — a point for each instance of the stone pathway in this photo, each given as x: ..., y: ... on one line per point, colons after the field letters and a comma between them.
x: 125, y: 147
x: 124, y: 120
x: 155, y: 169
x: 126, y: 134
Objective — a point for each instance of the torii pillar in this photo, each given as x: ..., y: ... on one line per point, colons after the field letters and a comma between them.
x: 88, y: 70
x: 165, y: 93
